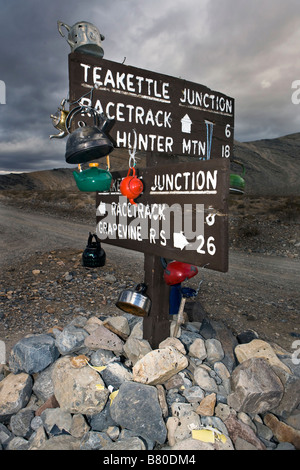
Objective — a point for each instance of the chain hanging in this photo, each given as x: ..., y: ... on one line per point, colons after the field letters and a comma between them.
x: 132, y: 153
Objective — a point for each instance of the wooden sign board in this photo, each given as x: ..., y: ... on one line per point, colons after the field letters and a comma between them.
x: 182, y: 213
x: 154, y: 112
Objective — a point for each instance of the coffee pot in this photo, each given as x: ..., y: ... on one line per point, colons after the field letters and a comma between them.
x: 59, y: 121
x: 83, y: 37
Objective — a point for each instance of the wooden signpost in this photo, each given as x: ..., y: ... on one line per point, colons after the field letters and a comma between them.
x: 182, y: 213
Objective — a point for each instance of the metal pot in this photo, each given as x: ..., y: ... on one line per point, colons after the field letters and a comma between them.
x: 134, y: 301
x: 93, y: 179
x: 83, y: 37
x: 87, y: 143
x: 93, y: 256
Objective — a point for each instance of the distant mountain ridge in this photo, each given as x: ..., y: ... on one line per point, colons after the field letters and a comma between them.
x: 272, y: 165
x: 272, y: 168
x: 60, y: 178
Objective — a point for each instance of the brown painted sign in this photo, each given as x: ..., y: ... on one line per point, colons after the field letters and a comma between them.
x: 182, y: 213
x: 154, y: 112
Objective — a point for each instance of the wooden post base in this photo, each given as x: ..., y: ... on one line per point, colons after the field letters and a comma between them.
x: 157, y: 324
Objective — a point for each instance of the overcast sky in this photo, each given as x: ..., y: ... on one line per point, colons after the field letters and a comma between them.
x: 247, y: 49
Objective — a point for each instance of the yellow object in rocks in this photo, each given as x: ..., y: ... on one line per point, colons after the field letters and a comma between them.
x: 208, y: 435
x: 100, y: 387
x: 97, y: 368
x: 113, y: 395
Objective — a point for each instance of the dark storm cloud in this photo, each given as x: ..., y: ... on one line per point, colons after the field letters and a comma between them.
x: 246, y: 49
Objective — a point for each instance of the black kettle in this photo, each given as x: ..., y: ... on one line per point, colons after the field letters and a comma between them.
x: 93, y: 256
x: 87, y: 143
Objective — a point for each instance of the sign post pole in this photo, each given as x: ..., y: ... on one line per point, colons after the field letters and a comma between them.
x: 156, y: 326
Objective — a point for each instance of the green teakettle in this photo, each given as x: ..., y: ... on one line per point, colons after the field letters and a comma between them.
x: 93, y: 179
x: 237, y: 183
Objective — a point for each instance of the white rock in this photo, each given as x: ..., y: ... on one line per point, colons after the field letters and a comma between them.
x: 136, y: 348
x: 103, y: 338
x: 198, y: 349
x: 77, y: 390
x: 159, y: 365
x: 203, y: 379
x: 175, y: 343
x: 118, y: 325
x: 15, y: 391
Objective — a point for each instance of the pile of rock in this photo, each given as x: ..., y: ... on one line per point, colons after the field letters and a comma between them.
x: 97, y: 384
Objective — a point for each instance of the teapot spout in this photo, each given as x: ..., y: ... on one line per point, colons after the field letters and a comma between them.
x: 76, y: 176
x: 132, y: 202
x: 61, y: 135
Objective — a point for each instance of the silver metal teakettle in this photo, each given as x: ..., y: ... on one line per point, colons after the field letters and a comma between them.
x: 83, y: 37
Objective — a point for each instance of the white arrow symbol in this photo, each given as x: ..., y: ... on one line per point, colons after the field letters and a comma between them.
x: 186, y: 124
x: 179, y: 240
x: 101, y: 209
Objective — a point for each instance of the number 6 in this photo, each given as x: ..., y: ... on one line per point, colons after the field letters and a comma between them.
x: 227, y: 131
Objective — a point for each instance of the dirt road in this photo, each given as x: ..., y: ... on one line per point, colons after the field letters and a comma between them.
x: 259, y: 292
x: 23, y: 233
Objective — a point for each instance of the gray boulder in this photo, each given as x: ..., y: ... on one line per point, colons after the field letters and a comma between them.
x: 136, y: 407
x: 33, y: 354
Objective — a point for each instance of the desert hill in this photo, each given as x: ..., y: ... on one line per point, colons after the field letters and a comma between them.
x: 272, y: 165
x: 39, y: 180
x: 272, y: 168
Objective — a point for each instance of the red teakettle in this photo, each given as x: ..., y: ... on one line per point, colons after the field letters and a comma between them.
x: 131, y: 186
x: 177, y: 272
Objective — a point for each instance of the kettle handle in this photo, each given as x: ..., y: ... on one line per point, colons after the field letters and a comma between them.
x: 80, y: 109
x: 141, y: 288
x: 91, y: 236
x: 241, y: 164
x: 133, y: 171
x: 59, y: 26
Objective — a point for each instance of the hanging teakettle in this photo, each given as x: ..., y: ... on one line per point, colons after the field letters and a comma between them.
x: 93, y: 179
x: 83, y: 37
x: 131, y: 186
x: 87, y: 143
x: 59, y: 121
x: 176, y: 272
x: 237, y: 183
x: 135, y: 301
x: 93, y: 256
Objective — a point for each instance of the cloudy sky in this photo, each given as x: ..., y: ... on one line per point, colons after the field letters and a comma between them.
x: 247, y: 49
